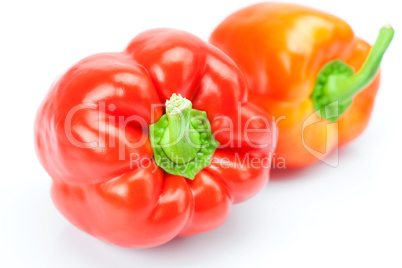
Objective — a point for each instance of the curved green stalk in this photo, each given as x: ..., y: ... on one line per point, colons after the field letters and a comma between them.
x: 337, y: 82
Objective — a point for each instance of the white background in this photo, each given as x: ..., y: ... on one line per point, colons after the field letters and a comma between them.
x: 348, y: 216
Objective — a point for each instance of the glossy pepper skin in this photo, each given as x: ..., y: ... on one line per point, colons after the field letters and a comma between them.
x: 88, y: 125
x: 282, y: 48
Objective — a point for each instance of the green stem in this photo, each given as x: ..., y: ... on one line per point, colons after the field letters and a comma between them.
x: 350, y: 86
x: 181, y: 140
x: 336, y: 81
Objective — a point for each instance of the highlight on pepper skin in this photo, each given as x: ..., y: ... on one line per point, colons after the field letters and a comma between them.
x: 276, y: 162
x: 104, y: 112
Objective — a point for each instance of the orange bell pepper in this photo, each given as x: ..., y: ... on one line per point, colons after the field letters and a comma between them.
x: 300, y: 64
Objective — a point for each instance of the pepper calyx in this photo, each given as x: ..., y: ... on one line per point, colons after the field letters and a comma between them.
x: 337, y: 83
x: 181, y: 139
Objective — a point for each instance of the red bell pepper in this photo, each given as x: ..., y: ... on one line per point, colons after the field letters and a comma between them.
x: 110, y: 180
